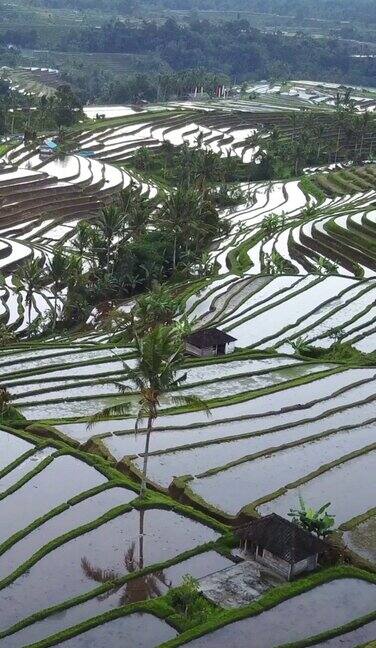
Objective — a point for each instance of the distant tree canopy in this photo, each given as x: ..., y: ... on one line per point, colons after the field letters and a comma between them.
x: 362, y: 10
x: 233, y: 48
x: 119, y: 6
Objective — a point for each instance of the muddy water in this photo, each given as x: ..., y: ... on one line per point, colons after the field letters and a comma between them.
x: 292, y: 396
x: 111, y: 550
x: 57, y: 483
x: 362, y: 540
x: 328, y: 606
x: 136, y: 590
x: 257, y: 409
x: 108, y: 111
x: 163, y: 467
x: 24, y: 363
x: 272, y: 321
x: 235, y: 385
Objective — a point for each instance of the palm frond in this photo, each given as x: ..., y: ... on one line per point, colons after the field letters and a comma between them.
x: 192, y: 401
x: 120, y: 409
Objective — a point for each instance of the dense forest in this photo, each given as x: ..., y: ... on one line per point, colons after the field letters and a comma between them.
x: 347, y: 10
x: 362, y: 10
x: 234, y: 48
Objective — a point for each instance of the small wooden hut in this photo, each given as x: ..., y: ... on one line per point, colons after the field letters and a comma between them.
x: 209, y: 342
x: 281, y: 545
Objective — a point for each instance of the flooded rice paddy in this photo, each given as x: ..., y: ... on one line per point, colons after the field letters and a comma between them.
x: 323, y: 608
x: 351, y: 488
x: 138, y: 589
x: 118, y: 547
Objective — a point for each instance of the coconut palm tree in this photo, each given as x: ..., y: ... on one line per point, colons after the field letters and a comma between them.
x: 82, y: 240
x: 111, y: 223
x: 57, y: 272
x: 137, y: 212
x: 30, y: 277
x: 160, y: 355
x: 5, y: 399
x: 191, y: 218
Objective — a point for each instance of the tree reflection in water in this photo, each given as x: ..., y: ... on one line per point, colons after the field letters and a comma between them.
x: 136, y: 589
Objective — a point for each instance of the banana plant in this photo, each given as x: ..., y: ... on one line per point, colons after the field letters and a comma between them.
x: 315, y: 521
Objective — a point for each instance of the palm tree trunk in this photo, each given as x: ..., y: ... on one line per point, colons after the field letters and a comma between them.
x: 141, y: 540
x: 146, y: 457
x: 174, y: 253
x: 108, y: 254
x: 55, y: 311
x: 29, y: 316
x: 337, y: 149
x: 361, y: 146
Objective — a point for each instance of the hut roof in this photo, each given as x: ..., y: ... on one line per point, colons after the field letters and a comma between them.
x: 208, y: 338
x: 281, y: 537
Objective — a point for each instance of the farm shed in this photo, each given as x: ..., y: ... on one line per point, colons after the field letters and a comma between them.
x: 281, y: 545
x: 209, y: 342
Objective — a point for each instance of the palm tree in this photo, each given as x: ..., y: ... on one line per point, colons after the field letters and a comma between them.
x: 293, y: 119
x: 154, y: 308
x: 83, y: 237
x: 137, y: 209
x: 160, y: 355
x: 191, y: 218
x: 57, y: 269
x: 111, y: 222
x: 364, y: 120
x: 30, y: 277
x: 5, y: 399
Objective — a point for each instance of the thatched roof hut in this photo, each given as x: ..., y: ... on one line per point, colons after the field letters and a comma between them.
x: 281, y: 545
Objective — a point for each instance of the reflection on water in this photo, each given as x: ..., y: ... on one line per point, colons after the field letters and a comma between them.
x: 134, y: 590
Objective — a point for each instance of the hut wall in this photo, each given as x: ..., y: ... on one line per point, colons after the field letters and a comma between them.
x: 201, y: 353
x: 308, y: 564
x: 277, y: 564
x: 230, y: 347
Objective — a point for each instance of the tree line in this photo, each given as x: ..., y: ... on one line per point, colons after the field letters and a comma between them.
x: 234, y: 48
x: 132, y: 244
x: 29, y: 114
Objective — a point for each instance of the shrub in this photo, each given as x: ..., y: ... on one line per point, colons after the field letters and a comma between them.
x: 189, y: 603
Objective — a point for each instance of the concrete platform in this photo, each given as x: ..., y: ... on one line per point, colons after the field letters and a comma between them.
x: 238, y: 585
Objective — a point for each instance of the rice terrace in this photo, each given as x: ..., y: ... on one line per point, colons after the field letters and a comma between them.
x: 188, y: 369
